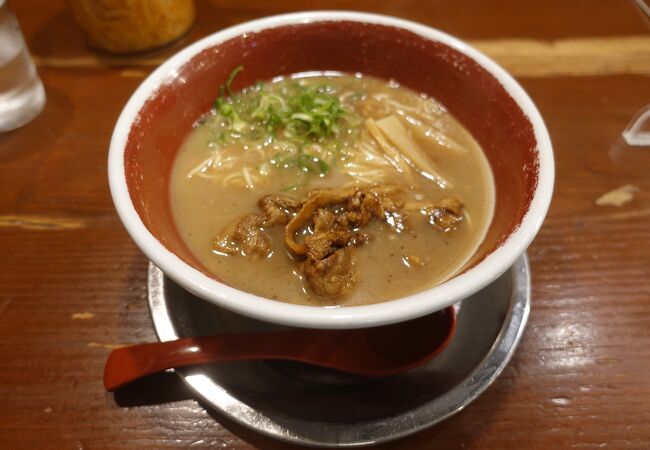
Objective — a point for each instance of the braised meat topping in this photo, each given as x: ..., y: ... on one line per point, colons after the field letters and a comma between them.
x: 245, y: 237
x: 446, y: 215
x: 279, y: 209
x: 330, y: 221
x: 332, y: 276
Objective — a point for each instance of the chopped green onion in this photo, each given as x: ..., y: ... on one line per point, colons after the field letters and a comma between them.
x: 291, y: 118
x: 232, y: 76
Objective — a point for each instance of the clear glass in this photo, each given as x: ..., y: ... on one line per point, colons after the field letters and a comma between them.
x: 631, y: 151
x: 22, y: 95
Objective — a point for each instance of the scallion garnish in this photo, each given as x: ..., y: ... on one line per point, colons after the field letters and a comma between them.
x: 293, y: 119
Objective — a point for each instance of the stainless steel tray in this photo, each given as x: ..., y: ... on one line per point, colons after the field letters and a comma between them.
x: 306, y: 405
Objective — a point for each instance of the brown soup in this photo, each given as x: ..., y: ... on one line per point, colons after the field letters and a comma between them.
x: 320, y: 135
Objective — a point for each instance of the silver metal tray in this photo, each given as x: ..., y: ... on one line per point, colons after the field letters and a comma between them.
x: 302, y: 404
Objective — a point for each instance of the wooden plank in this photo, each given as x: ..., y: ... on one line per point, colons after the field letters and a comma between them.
x: 571, y: 57
x: 72, y: 283
x: 581, y: 365
x: 521, y: 57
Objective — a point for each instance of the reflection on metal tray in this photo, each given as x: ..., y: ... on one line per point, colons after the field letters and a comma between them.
x: 308, y: 405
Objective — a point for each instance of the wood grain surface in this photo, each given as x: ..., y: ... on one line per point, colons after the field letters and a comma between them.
x: 72, y: 283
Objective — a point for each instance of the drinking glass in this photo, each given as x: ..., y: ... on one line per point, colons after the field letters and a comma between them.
x: 21, y: 91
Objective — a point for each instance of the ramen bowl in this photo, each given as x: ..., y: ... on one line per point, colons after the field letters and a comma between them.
x: 479, y: 93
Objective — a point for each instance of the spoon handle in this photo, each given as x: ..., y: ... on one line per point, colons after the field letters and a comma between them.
x: 376, y: 351
x: 127, y: 364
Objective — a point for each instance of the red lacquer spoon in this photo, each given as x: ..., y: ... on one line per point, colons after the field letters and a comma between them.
x: 378, y: 351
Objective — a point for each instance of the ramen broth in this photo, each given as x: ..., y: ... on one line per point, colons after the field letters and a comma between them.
x: 226, y: 165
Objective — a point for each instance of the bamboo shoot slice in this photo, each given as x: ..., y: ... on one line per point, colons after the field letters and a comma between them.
x: 398, y: 136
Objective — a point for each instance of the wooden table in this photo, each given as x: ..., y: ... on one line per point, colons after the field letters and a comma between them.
x: 72, y: 283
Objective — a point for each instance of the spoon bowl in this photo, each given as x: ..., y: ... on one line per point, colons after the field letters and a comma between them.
x: 373, y: 352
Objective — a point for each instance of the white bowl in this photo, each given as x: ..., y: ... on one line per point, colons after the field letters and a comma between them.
x: 167, y: 95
